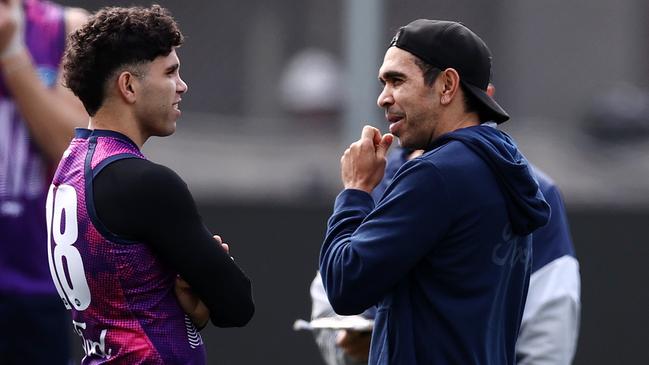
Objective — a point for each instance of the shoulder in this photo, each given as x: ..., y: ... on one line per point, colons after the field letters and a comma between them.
x: 142, y: 177
x: 454, y: 161
x: 151, y: 172
x: 548, y: 188
x: 440, y: 163
x: 546, y: 183
x: 450, y: 154
x: 421, y: 179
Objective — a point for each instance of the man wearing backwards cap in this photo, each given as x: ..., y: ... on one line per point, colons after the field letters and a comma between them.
x: 446, y: 252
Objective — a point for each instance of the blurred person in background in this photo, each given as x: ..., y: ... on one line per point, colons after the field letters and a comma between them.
x: 37, y: 120
x: 450, y: 290
x: 308, y: 87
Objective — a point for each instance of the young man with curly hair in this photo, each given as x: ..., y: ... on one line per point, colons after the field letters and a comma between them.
x: 123, y: 230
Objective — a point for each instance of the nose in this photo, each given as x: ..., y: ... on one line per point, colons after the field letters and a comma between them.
x: 181, y: 86
x: 385, y: 98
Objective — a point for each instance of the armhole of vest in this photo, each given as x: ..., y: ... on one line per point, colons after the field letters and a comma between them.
x: 89, y: 175
x: 100, y: 166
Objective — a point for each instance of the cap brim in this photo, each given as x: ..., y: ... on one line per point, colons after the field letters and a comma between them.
x: 497, y: 113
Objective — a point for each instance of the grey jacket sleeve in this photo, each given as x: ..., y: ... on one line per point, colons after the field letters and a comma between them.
x: 550, y: 326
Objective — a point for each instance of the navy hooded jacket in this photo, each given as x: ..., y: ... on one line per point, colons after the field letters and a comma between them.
x: 445, y: 254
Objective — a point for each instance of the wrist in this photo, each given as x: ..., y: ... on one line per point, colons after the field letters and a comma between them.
x: 358, y: 186
x: 16, y: 46
x: 17, y: 24
x: 15, y: 61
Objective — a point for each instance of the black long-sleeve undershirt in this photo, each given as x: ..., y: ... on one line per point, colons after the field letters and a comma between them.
x: 142, y: 201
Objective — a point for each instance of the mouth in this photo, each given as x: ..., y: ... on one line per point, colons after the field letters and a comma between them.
x: 394, y: 120
x: 176, y: 105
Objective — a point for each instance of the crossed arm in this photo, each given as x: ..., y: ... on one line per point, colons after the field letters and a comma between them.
x: 139, y: 200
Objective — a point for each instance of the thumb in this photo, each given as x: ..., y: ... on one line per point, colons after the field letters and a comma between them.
x: 384, y: 145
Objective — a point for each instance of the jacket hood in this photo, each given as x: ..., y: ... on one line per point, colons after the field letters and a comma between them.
x: 526, y: 206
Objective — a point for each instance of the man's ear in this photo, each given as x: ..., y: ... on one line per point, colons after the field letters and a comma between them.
x: 450, y: 84
x: 127, y: 86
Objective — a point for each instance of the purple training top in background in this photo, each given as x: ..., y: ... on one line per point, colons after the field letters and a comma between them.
x: 24, y: 173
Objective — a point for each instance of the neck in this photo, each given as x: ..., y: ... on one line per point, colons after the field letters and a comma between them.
x: 120, y: 121
x: 466, y: 120
x: 455, y: 122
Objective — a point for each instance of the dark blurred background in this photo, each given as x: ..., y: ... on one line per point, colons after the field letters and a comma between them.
x: 277, y: 89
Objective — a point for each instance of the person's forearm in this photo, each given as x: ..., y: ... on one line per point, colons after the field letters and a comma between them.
x: 233, y: 306
x: 145, y: 202
x: 340, y: 226
x: 210, y: 271
x: 50, y: 114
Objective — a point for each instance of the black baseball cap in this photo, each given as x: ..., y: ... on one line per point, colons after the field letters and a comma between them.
x: 446, y: 44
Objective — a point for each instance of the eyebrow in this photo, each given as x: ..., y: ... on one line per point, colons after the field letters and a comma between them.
x: 391, y: 75
x: 173, y: 67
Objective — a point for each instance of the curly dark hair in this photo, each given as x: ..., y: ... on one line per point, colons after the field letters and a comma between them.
x: 112, y: 39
